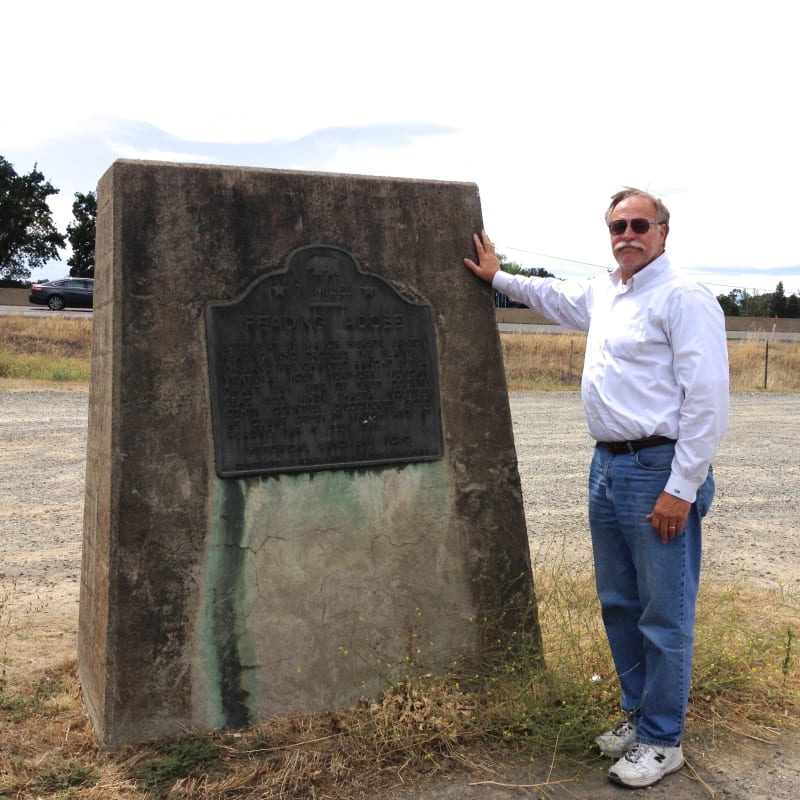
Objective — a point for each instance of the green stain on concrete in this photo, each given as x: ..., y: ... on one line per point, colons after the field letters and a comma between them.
x: 274, y: 543
x: 224, y: 623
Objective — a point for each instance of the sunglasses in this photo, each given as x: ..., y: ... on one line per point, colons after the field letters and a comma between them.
x: 638, y: 225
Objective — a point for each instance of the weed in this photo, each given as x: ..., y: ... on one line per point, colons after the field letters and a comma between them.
x: 180, y: 759
x: 63, y: 776
x: 743, y: 675
x: 787, y: 658
x: 746, y: 680
x: 15, y: 618
x: 43, y: 368
x: 5, y: 630
x: 34, y: 702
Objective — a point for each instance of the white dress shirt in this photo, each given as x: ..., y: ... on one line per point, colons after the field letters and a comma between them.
x: 656, y: 359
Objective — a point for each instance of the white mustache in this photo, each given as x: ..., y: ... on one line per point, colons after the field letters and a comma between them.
x: 620, y: 245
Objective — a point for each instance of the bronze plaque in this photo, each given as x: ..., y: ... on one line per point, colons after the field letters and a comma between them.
x: 321, y: 365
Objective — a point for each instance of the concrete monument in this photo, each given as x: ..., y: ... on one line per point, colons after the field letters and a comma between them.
x: 301, y: 475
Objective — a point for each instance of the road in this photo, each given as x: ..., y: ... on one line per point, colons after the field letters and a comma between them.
x: 44, y: 311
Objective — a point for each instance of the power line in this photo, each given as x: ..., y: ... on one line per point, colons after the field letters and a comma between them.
x: 555, y: 258
x: 607, y: 269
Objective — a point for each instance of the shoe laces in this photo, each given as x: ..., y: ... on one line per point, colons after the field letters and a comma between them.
x: 621, y: 728
x: 637, y: 752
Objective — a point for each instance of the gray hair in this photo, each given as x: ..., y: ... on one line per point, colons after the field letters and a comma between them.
x: 662, y: 212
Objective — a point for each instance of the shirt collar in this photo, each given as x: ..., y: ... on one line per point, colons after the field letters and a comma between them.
x: 641, y: 278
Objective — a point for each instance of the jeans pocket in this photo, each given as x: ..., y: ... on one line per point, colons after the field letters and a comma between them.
x: 656, y: 459
x: 705, y: 494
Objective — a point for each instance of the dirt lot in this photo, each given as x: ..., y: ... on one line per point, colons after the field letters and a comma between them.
x: 751, y: 536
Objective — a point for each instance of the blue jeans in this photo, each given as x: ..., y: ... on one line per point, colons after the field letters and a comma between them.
x: 647, y: 589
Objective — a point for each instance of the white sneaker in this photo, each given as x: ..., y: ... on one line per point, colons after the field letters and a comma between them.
x: 618, y: 740
x: 644, y: 764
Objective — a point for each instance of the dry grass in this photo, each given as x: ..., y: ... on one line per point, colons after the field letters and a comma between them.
x: 746, y: 681
x: 542, y: 362
x: 58, y: 349
x: 54, y: 337
x: 45, y: 349
x: 750, y: 359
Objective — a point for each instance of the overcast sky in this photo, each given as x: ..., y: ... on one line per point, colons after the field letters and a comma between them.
x: 549, y: 107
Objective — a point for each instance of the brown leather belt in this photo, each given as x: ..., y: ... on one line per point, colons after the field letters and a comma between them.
x: 618, y: 448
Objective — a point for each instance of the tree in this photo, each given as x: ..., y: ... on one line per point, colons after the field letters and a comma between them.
x: 28, y: 237
x: 80, y: 233
x: 728, y: 304
x: 754, y: 305
x: 777, y: 301
x: 500, y: 300
x: 792, y: 309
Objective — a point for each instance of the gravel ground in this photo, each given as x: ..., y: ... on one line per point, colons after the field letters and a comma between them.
x: 751, y: 536
x: 751, y: 532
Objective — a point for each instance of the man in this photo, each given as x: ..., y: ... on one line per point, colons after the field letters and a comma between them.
x: 655, y: 395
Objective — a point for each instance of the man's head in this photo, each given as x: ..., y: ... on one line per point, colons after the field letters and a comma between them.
x: 638, y: 224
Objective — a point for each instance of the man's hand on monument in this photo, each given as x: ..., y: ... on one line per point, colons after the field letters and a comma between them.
x: 488, y: 264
